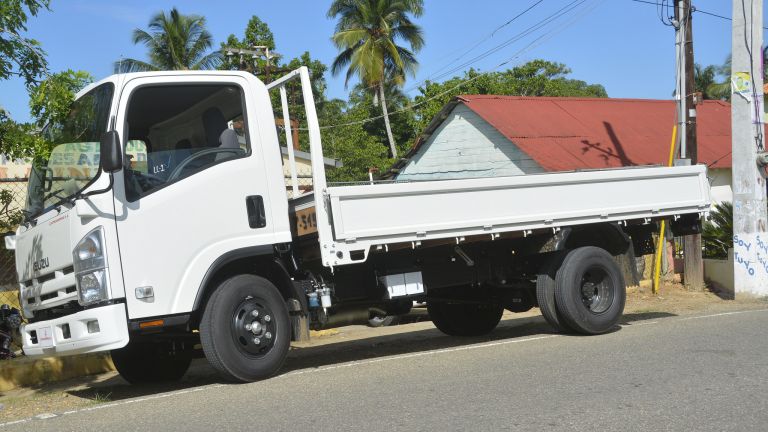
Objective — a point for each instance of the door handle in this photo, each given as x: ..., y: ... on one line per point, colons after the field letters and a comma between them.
x: 255, y: 206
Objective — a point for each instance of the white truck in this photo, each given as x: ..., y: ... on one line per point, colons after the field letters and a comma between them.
x: 162, y: 220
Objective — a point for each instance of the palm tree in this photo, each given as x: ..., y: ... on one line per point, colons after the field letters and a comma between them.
x: 718, y: 231
x: 367, y: 34
x: 704, y: 77
x: 175, y: 42
x: 721, y: 90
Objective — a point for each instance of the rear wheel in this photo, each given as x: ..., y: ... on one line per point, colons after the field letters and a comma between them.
x: 245, y: 330
x: 465, y: 319
x: 545, y: 293
x: 590, y: 291
x: 151, y: 362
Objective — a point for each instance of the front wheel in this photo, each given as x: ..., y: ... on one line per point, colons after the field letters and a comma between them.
x: 151, y: 362
x: 245, y: 329
x: 465, y: 319
x: 590, y: 291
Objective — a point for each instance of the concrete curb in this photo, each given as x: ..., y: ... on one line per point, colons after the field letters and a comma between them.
x: 28, y: 372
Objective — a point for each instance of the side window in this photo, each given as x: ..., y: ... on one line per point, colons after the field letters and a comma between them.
x: 175, y: 131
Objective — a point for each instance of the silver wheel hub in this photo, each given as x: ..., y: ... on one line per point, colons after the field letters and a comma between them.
x: 256, y: 328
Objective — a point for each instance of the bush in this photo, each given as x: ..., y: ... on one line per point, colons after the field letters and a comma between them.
x: 717, y: 236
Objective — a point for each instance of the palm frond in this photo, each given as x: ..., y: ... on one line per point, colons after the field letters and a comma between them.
x: 132, y: 65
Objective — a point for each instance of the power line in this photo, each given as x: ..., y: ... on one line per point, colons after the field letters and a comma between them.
x: 535, y: 43
x: 532, y: 29
x: 695, y: 10
x: 477, y: 44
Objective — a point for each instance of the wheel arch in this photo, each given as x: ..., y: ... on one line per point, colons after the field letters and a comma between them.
x: 259, y: 261
x: 608, y: 236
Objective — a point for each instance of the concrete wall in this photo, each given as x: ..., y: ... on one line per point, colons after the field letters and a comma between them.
x: 465, y: 145
x: 14, y: 169
x: 720, y: 182
x: 720, y: 272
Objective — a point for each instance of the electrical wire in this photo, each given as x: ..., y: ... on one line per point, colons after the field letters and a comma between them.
x: 533, y: 44
x: 709, y: 165
x: 749, y: 45
x: 464, y: 49
x: 532, y: 29
x: 477, y: 44
x: 694, y: 9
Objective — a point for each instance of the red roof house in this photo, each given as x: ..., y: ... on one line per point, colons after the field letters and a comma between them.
x: 486, y: 135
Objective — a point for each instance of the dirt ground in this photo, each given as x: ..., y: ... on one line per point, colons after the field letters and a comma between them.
x: 81, y: 393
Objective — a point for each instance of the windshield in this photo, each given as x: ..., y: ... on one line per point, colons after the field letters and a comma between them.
x: 75, y: 150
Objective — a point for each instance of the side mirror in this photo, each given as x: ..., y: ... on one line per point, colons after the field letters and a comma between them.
x: 111, y: 152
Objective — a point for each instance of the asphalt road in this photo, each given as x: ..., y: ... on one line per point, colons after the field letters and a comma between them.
x: 703, y: 373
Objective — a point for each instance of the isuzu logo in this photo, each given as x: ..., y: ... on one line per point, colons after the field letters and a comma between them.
x: 41, y: 264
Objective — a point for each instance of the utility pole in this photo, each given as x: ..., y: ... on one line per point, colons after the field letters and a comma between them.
x: 255, y: 53
x: 750, y: 241
x: 693, y: 276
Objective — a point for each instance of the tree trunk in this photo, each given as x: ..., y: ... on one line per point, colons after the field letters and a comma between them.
x: 386, y: 120
x: 693, y: 273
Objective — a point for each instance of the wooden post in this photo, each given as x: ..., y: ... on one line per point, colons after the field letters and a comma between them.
x: 693, y: 272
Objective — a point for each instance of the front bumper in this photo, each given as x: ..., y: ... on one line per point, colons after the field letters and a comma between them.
x: 49, y: 337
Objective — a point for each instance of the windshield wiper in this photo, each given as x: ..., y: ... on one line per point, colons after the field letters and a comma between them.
x: 55, y: 194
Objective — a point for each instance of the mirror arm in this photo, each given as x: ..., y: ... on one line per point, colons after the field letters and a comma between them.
x: 97, y: 192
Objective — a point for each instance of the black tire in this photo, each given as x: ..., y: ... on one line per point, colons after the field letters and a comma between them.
x: 545, y: 294
x: 590, y: 291
x: 382, y: 321
x: 465, y: 319
x: 400, y: 307
x: 231, y: 343
x: 151, y: 362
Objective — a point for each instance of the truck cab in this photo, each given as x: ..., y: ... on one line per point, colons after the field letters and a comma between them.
x: 201, y: 166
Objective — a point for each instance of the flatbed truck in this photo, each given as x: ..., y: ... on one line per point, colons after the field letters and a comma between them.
x: 162, y: 221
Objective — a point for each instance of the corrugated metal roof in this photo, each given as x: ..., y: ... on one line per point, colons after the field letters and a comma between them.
x: 564, y: 134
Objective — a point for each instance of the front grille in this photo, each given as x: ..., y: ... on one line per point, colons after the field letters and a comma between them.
x: 56, y: 312
x: 49, y: 296
x: 46, y: 278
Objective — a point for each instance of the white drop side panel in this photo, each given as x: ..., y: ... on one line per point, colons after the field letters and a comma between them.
x: 371, y: 215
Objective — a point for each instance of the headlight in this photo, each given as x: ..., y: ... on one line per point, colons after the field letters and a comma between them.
x: 91, y: 273
x: 92, y: 287
x: 89, y: 252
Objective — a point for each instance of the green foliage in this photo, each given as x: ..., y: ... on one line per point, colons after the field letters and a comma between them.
x: 19, y: 140
x: 355, y: 147
x: 401, y: 118
x: 317, y: 70
x: 20, y: 56
x: 720, y: 87
x: 704, y: 78
x: 535, y: 78
x: 717, y: 235
x: 9, y: 218
x: 174, y: 42
x: 257, y: 33
x: 367, y: 32
x: 50, y: 100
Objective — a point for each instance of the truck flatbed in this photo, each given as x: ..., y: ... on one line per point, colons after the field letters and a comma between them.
x: 377, y: 215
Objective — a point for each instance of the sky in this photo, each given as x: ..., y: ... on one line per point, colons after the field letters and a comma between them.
x: 621, y: 44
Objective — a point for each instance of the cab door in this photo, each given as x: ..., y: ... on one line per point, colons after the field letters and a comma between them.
x: 194, y: 185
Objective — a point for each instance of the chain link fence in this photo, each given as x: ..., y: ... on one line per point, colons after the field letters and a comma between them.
x: 303, y: 178
x: 13, y: 194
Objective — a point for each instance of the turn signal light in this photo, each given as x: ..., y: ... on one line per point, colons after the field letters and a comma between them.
x: 150, y: 324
